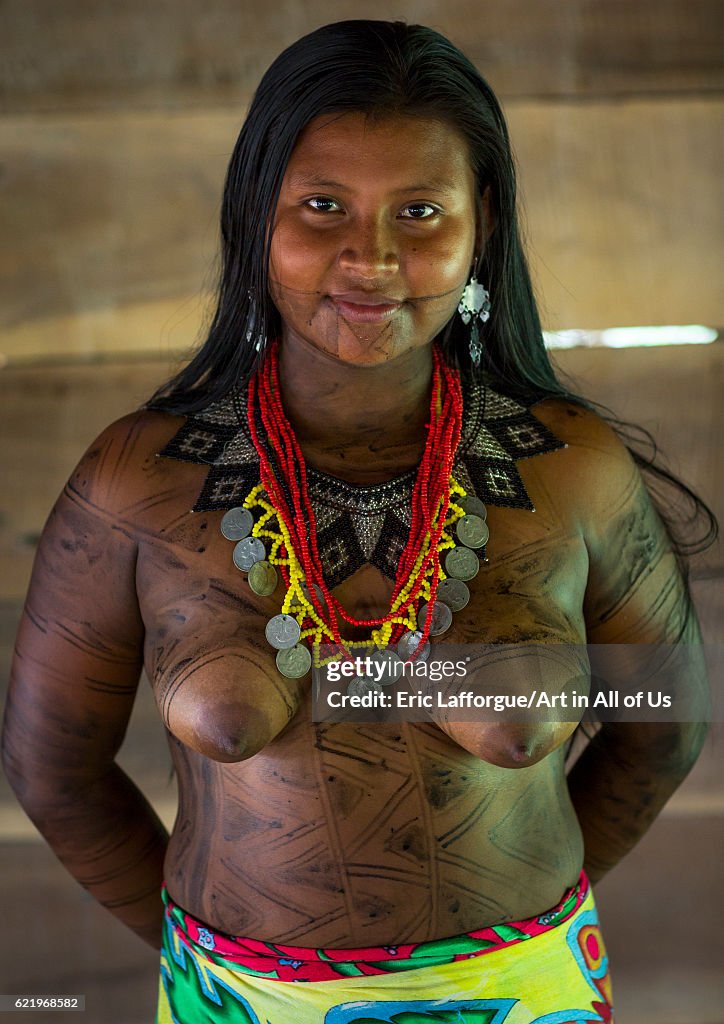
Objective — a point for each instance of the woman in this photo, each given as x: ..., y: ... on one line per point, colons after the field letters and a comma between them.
x: 315, y: 475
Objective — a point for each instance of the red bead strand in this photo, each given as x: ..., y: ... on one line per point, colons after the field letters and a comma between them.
x: 430, y: 493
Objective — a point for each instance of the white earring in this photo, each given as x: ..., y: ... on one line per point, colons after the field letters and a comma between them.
x: 474, y: 306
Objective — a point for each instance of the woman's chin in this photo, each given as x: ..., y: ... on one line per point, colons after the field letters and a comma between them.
x: 366, y: 348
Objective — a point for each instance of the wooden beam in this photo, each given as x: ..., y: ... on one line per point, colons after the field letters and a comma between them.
x: 171, y: 53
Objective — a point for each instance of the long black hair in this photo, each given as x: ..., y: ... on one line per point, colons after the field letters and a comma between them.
x: 380, y: 68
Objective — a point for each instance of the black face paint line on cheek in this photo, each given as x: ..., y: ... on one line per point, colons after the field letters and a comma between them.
x: 280, y: 288
x: 294, y: 306
x: 314, y: 317
x: 440, y: 296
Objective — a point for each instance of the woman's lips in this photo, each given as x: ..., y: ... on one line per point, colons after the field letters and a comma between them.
x: 365, y: 310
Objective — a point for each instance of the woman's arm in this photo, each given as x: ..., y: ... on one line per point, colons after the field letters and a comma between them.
x: 75, y: 672
x: 638, y: 606
x: 622, y: 781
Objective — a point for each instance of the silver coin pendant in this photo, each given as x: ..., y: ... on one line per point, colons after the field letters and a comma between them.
x: 283, y: 631
x: 294, y: 662
x: 472, y: 531
x: 454, y: 593
x: 361, y: 686
x: 441, y: 617
x: 237, y: 523
x: 390, y: 662
x: 472, y: 506
x: 409, y: 643
x: 462, y: 564
x: 263, y: 578
x: 317, y: 591
x: 248, y: 551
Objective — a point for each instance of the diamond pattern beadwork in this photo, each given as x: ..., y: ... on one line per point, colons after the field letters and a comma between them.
x: 391, y: 544
x: 340, y: 550
x: 361, y: 524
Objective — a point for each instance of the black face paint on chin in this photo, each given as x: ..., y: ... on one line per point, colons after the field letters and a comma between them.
x: 372, y: 338
x: 357, y: 340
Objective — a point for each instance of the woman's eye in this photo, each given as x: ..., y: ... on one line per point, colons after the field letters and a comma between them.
x: 323, y: 204
x: 419, y: 211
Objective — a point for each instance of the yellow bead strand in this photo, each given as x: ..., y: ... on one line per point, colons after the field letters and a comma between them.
x: 295, y: 602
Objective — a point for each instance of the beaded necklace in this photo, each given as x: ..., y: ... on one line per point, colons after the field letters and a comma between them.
x: 309, y: 610
x: 425, y: 530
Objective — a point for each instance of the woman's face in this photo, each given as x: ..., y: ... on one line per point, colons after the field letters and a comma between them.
x: 374, y: 236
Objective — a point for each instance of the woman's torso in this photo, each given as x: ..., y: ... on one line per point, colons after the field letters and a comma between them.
x: 350, y: 834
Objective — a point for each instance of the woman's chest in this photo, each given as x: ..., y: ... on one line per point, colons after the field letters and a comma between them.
x: 196, y: 604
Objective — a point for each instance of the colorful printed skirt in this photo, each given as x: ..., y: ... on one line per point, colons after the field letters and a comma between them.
x: 549, y: 969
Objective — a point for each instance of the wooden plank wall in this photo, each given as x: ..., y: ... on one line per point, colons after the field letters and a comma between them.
x: 116, y: 126
x: 91, y: 54
x: 116, y: 123
x: 119, y: 120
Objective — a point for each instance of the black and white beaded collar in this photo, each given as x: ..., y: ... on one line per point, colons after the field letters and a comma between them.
x: 360, y: 524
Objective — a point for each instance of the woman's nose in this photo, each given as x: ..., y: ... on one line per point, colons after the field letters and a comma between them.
x: 370, y: 249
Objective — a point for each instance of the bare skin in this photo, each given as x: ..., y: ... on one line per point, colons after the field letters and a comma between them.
x: 347, y: 835
x: 337, y: 835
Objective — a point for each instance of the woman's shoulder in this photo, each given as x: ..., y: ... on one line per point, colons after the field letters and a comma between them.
x: 595, y: 473
x: 578, y: 425
x: 146, y: 423
x: 119, y: 468
x: 591, y: 442
x: 128, y: 442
